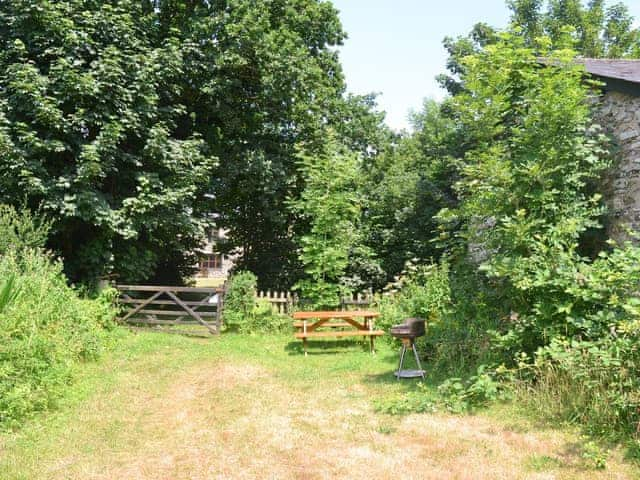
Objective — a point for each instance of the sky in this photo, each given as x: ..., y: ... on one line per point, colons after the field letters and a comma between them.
x: 395, y: 46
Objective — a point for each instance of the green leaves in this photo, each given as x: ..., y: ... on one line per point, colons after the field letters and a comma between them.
x: 530, y: 172
x: 131, y: 122
x: 44, y: 325
x: 89, y: 132
x: 528, y: 198
x: 20, y: 230
x: 597, y: 32
x: 330, y: 202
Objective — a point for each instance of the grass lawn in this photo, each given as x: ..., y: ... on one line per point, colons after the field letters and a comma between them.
x: 170, y: 407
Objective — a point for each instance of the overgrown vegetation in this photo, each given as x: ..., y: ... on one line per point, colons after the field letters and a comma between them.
x: 132, y: 125
x: 535, y: 301
x: 331, y: 203
x: 245, y: 313
x: 420, y: 291
x: 45, y: 326
x: 530, y: 200
x: 130, y: 122
x: 21, y: 230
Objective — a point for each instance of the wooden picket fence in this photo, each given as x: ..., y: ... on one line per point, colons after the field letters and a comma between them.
x: 286, y: 302
x: 282, y: 302
x: 357, y: 301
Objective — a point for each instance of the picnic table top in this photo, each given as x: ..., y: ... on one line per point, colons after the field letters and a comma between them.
x: 326, y: 315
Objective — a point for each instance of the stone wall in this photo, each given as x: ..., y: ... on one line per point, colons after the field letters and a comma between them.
x: 619, y: 114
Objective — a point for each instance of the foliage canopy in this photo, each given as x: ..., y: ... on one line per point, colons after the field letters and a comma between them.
x: 331, y: 203
x: 130, y: 122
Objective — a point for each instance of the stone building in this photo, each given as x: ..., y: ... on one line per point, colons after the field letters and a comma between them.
x: 619, y: 113
x: 214, y: 267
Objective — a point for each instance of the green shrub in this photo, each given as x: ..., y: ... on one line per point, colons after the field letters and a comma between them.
x: 21, y: 229
x: 458, y: 309
x: 460, y: 395
x: 421, y: 292
x: 331, y: 203
x: 595, y: 454
x: 44, y: 328
x: 264, y: 319
x: 564, y: 314
x: 240, y: 298
x: 245, y: 313
x: 593, y: 383
x: 417, y: 401
x: 461, y: 341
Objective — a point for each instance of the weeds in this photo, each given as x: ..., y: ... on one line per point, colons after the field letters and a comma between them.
x: 45, y: 326
x: 245, y: 313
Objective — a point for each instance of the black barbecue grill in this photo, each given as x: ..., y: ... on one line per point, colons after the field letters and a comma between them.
x: 411, y: 329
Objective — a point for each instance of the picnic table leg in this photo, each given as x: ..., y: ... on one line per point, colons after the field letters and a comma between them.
x: 368, y: 321
x: 304, y: 345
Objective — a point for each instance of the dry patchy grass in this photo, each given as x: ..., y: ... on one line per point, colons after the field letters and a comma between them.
x: 164, y: 407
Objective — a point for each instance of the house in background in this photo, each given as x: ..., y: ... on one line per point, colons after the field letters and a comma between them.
x: 214, y: 267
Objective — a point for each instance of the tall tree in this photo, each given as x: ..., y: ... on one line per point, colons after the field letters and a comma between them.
x: 406, y: 187
x: 620, y: 38
x: 481, y: 35
x: 598, y: 31
x: 88, y: 136
x: 132, y: 121
x: 526, y: 191
x: 331, y: 204
x: 527, y: 14
x: 260, y: 77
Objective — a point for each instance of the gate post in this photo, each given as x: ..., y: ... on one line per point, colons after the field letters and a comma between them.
x: 219, y: 311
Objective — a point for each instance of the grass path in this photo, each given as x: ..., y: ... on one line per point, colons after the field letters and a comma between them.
x: 169, y: 407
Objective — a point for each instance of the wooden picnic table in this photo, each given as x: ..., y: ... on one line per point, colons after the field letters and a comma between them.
x: 308, y: 324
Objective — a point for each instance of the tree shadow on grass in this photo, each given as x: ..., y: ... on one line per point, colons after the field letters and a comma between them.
x: 389, y: 378
x: 326, y: 347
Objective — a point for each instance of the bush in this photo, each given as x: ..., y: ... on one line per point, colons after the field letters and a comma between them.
x: 458, y: 310
x: 247, y: 314
x: 264, y: 319
x: 44, y: 328
x: 564, y: 315
x: 461, y: 341
x: 593, y: 383
x: 460, y: 395
x: 331, y: 204
x: 421, y: 292
x: 21, y: 229
x: 240, y: 298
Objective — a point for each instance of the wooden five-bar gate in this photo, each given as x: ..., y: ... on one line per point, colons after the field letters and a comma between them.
x: 171, y: 306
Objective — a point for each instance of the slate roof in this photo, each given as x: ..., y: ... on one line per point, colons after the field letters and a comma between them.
x: 625, y: 70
